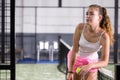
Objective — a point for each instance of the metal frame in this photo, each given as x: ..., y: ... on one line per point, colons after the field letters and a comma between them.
x: 3, y: 31
x: 10, y: 66
x: 116, y: 32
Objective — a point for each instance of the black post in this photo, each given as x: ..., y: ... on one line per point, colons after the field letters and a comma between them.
x: 36, y: 30
x: 117, y: 72
x: 116, y: 32
x: 3, y: 32
x: 12, y: 38
x: 59, y: 3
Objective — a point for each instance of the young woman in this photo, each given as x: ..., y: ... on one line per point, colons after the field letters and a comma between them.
x: 90, y: 37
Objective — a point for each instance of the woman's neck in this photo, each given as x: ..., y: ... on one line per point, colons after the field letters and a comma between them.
x: 94, y: 29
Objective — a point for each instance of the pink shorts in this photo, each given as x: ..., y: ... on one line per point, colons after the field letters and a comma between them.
x: 79, y: 61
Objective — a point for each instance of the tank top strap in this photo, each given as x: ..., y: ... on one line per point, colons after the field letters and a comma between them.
x: 101, y: 35
x: 83, y: 28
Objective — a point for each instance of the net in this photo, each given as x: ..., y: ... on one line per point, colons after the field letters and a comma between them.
x: 104, y: 74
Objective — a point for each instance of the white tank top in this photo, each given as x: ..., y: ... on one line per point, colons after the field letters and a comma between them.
x: 88, y: 49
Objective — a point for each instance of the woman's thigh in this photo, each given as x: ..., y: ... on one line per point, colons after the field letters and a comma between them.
x: 89, y: 76
x: 76, y: 77
x: 92, y: 76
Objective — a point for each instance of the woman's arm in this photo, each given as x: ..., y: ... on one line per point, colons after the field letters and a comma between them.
x: 76, y: 38
x: 105, y: 41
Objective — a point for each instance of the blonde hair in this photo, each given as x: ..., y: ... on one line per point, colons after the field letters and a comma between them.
x: 105, y: 23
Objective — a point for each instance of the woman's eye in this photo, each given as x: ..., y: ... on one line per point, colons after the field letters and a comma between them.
x: 86, y: 13
x: 89, y: 13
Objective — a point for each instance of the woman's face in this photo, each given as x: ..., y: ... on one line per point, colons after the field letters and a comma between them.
x: 92, y: 16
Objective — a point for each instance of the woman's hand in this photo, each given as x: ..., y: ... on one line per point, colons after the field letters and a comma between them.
x: 84, y: 70
x: 69, y: 76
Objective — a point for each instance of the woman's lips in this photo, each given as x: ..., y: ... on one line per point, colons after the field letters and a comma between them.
x: 88, y: 20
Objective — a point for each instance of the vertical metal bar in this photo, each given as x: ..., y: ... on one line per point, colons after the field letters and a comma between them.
x: 59, y: 3
x: 83, y: 14
x: 22, y: 34
x: 117, y: 71
x: 12, y: 38
x: 3, y: 32
x: 116, y: 32
x: 35, y: 30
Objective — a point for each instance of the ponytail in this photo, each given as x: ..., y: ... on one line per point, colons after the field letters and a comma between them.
x: 106, y: 24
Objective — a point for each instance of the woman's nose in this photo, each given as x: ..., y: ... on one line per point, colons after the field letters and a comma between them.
x: 88, y: 16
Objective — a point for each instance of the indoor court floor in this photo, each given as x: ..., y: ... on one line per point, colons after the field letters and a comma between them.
x: 38, y: 72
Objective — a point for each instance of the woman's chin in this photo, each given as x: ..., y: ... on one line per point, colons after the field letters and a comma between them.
x: 88, y: 23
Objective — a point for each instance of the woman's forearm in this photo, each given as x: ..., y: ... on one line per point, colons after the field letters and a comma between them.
x: 99, y: 64
x: 71, y: 62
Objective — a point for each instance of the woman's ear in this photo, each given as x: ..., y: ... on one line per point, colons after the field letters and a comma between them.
x: 100, y: 17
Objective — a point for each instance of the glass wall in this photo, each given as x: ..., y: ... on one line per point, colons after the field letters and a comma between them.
x: 35, y: 19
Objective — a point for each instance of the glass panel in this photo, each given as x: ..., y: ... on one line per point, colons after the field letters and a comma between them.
x: 82, y: 3
x: 5, y: 34
x: 40, y: 2
x: 58, y: 20
x: 4, y: 74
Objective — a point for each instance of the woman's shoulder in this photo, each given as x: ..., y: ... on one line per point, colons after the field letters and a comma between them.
x: 105, y: 37
x: 80, y: 26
